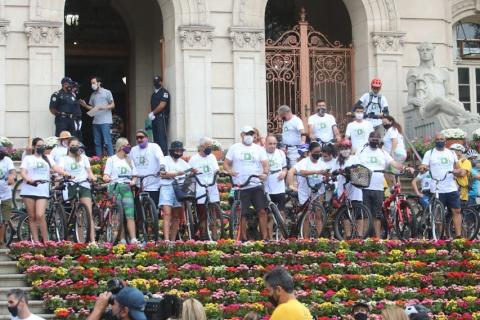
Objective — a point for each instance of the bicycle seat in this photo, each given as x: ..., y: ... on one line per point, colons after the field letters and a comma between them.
x: 293, y: 194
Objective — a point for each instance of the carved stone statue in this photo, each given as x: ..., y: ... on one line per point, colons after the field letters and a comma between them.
x: 428, y: 95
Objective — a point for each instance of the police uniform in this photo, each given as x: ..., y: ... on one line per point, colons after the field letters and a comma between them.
x: 160, y: 123
x: 66, y: 106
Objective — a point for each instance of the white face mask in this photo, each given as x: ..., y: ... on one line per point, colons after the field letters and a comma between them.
x: 94, y: 87
x: 248, y: 140
x: 359, y: 115
x: 345, y: 153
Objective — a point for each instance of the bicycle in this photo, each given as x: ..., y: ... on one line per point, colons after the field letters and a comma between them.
x: 107, y: 215
x: 312, y: 214
x: 147, y: 213
x: 78, y: 218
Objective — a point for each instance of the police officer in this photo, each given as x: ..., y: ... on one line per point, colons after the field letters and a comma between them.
x: 160, y: 107
x: 62, y: 106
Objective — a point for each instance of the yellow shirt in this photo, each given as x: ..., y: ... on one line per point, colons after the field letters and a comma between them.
x: 463, y: 181
x: 291, y: 310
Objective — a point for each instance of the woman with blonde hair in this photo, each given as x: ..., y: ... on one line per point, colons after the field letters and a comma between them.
x: 192, y: 309
x: 394, y: 313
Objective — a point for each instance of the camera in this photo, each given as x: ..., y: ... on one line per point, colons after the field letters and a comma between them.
x: 156, y: 307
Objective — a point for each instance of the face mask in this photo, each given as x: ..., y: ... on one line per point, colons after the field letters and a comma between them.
x: 143, y: 144
x: 207, y: 151
x: 373, y: 144
x: 273, y: 301
x: 345, y: 153
x: 94, y: 87
x: 13, y: 310
x: 40, y: 150
x: 358, y: 115
x: 439, y: 144
x: 360, y: 316
x: 387, y: 126
x: 74, y: 150
x: 322, y: 111
x: 248, y: 140
x: 175, y: 155
x: 316, y: 156
x: 157, y: 85
x: 126, y: 149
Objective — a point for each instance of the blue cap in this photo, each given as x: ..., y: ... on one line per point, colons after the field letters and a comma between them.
x: 134, y: 300
x: 67, y: 80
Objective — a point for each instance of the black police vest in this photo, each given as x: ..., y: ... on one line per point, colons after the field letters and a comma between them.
x: 66, y: 102
x: 159, y: 96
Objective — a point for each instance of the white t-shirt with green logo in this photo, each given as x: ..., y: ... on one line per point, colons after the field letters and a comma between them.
x: 375, y: 159
x: 76, y: 169
x: 116, y: 167
x: 174, y: 166
x: 303, y: 188
x: 147, y: 161
x: 276, y: 161
x: 206, y: 167
x: 6, y: 165
x: 247, y: 161
x: 37, y: 169
x: 58, y: 152
x: 358, y: 131
x: 291, y: 135
x: 440, y: 162
x: 322, y: 126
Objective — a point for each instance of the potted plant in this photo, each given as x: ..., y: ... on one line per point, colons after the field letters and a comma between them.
x: 454, y: 135
x: 50, y: 143
x: 476, y: 140
x: 217, y: 150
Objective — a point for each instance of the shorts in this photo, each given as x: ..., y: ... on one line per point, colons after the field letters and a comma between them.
x: 83, y: 192
x: 451, y: 200
x: 124, y: 194
x: 279, y: 199
x: 373, y: 199
x: 252, y: 196
x: 167, y: 197
x: 6, y: 209
x: 34, y: 197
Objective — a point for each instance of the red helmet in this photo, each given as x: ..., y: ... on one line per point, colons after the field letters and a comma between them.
x: 345, y: 143
x: 376, y: 83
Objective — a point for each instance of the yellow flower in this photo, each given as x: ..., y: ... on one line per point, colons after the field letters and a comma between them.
x: 36, y: 283
x: 61, y: 272
x: 119, y: 249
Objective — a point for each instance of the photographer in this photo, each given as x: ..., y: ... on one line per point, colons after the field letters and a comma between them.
x: 127, y: 304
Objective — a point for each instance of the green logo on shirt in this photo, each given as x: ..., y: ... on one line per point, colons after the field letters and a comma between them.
x: 206, y: 169
x: 1, y: 173
x: 74, y: 166
x: 247, y: 156
x: 360, y: 132
x: 123, y: 170
x: 443, y: 160
x: 323, y: 125
x: 142, y: 161
x: 271, y: 163
x: 40, y: 165
x: 373, y: 159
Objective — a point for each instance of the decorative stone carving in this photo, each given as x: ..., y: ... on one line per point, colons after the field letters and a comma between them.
x: 3, y: 31
x: 428, y: 100
x: 196, y: 37
x: 43, y: 33
x: 247, y: 39
x: 388, y: 42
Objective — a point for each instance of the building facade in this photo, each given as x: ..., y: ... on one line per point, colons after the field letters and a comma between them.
x: 214, y: 57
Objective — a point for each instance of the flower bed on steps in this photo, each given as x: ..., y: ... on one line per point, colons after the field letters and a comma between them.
x: 227, y: 277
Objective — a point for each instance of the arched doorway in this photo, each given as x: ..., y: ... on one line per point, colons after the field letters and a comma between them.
x: 308, y: 58
x: 97, y: 43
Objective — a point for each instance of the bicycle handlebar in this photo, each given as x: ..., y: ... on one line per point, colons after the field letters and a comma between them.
x: 214, y: 180
x: 438, y: 180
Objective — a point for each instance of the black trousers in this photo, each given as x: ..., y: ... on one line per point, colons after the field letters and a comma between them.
x: 64, y: 124
x: 159, y: 130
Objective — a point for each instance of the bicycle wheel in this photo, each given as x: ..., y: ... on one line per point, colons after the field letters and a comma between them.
x: 312, y: 222
x: 57, y: 228
x: 215, y: 222
x: 23, y: 229
x: 353, y: 222
x: 405, y: 222
x: 82, y: 223
x: 16, y: 199
x: 235, y: 215
x: 114, y: 227
x: 470, y: 225
x: 100, y: 234
x: 186, y: 230
x: 279, y: 230
x: 150, y: 222
x: 437, y: 219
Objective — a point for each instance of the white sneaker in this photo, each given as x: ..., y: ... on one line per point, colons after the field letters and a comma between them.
x: 123, y: 241
x: 134, y: 241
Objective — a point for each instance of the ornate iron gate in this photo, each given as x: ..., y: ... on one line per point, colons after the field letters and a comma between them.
x: 303, y: 66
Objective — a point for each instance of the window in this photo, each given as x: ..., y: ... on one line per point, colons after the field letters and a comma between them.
x: 468, y: 40
x: 469, y: 87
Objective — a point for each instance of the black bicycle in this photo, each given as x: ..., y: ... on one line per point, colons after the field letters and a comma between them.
x: 78, y: 218
x: 146, y: 215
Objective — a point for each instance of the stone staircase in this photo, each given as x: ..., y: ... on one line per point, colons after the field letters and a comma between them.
x: 10, y: 278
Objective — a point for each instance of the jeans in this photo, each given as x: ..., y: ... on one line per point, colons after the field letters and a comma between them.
x: 101, y: 137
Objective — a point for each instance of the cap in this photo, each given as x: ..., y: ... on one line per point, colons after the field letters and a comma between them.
x: 66, y: 80
x: 457, y: 147
x: 134, y: 300
x: 64, y: 135
x: 248, y: 129
x: 142, y: 132
x: 176, y: 145
x: 157, y: 79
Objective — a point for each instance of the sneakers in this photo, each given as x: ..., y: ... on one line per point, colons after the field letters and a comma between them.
x: 134, y: 241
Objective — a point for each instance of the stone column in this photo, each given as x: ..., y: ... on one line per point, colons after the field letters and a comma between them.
x: 388, y: 53
x: 250, y: 101
x: 195, y: 119
x: 3, y: 100
x: 45, y: 51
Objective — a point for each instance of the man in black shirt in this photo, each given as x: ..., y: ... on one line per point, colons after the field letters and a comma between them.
x: 160, y: 107
x: 63, y: 105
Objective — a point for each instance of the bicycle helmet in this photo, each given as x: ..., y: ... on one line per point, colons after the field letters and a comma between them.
x: 345, y: 143
x: 472, y: 154
x: 376, y: 83
x: 457, y: 147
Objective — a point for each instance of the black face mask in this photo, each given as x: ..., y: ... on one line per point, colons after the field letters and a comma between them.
x: 273, y: 301
x: 175, y: 155
x: 2, y: 155
x: 40, y: 150
x: 316, y: 156
x: 13, y: 310
x: 74, y: 150
x: 387, y: 126
x: 373, y: 144
x: 207, y: 151
x: 360, y: 316
x: 157, y: 85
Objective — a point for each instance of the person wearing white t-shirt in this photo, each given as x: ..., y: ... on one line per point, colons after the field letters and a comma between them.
x: 358, y: 130
x: 7, y: 179
x: 120, y: 173
x: 375, y: 158
x: 313, y: 169
x: 442, y: 162
x: 61, y: 149
x: 375, y: 105
x: 35, y: 171
x: 322, y: 127
x: 393, y: 144
x: 17, y: 303
x: 293, y: 133
x: 206, y: 164
x: 77, y: 166
x: 147, y: 158
x: 173, y: 168
x: 241, y: 161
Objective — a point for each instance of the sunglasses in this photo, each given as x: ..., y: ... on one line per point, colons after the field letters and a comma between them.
x: 140, y: 137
